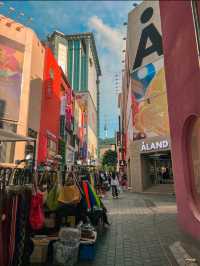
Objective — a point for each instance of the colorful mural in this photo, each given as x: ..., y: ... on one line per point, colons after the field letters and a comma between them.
x: 11, y: 63
x: 149, y: 101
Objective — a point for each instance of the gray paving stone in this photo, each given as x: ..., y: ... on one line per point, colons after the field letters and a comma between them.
x: 132, y: 239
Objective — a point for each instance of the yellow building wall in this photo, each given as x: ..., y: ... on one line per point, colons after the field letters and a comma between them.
x: 30, y: 96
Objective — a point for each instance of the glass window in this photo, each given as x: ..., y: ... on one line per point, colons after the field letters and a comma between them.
x: 62, y: 126
x: 83, y: 47
x: 51, y: 147
x: 90, y: 60
x: 62, y: 57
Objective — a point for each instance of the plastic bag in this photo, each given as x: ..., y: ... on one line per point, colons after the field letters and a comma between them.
x: 69, y: 234
x: 65, y: 254
x: 119, y: 189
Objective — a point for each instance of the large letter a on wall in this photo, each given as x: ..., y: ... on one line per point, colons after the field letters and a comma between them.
x: 151, y: 33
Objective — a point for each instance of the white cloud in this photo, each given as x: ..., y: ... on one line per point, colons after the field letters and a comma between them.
x: 108, y: 37
x: 110, y: 44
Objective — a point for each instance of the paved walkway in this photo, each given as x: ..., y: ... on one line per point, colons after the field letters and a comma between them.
x: 143, y: 227
x: 161, y: 189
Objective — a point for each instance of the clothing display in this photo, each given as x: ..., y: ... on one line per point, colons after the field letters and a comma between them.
x: 21, y: 256
x: 15, y: 191
x: 87, y: 198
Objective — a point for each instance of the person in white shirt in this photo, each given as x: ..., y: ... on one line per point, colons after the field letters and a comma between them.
x: 114, y: 185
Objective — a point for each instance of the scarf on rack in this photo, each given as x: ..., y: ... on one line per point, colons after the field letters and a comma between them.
x: 22, y: 230
x: 1, y: 227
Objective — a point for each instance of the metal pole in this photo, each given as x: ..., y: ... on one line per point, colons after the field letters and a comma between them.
x: 34, y: 156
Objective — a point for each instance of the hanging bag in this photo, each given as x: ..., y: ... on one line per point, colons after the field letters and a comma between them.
x: 52, y: 197
x: 36, y: 216
x: 69, y: 194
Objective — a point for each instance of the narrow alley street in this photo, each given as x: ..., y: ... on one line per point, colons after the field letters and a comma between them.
x: 100, y: 133
x: 143, y: 228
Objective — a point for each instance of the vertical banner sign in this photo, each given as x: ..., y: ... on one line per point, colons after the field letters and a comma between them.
x: 147, y: 90
x: 118, y: 139
x: 144, y: 42
x: 150, y: 34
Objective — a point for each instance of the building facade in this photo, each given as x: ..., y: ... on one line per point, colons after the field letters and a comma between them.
x: 21, y: 81
x: 50, y: 109
x: 181, y: 48
x: 77, y: 55
x: 67, y: 134
x: 146, y: 144
x: 57, y: 114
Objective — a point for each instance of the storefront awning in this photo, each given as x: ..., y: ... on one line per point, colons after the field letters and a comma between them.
x: 8, y: 136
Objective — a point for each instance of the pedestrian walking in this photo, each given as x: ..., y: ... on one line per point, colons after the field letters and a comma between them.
x: 114, y: 185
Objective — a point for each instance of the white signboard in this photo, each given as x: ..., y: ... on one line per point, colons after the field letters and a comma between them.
x: 158, y: 145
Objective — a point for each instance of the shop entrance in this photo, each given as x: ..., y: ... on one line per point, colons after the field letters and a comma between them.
x: 157, y: 168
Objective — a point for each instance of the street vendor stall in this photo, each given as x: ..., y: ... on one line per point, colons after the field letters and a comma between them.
x: 38, y: 210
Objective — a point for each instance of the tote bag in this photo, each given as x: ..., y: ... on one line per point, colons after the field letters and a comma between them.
x: 69, y: 194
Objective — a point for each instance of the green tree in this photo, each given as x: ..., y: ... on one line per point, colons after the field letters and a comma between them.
x: 109, y: 159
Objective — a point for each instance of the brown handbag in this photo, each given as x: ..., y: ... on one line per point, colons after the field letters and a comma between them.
x: 69, y: 194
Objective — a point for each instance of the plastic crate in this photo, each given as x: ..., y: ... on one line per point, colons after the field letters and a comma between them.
x: 87, y: 252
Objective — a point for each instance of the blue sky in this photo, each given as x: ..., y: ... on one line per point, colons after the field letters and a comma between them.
x: 105, y: 19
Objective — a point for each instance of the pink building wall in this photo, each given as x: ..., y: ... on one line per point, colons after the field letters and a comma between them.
x: 183, y: 91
